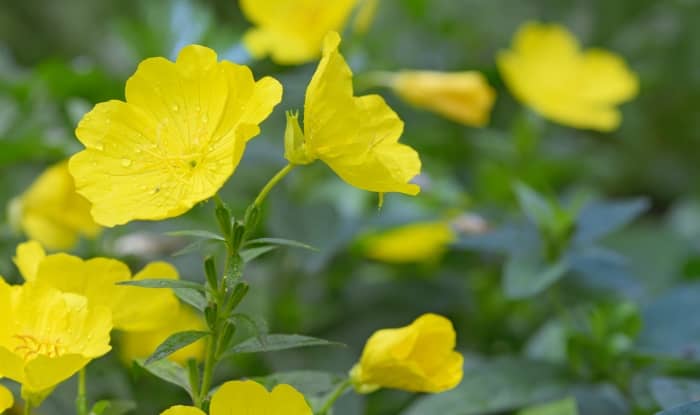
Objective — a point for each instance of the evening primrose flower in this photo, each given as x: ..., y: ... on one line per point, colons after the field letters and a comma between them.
x: 141, y: 344
x: 465, y: 97
x: 47, y: 335
x: 415, y: 242
x: 419, y: 357
x: 6, y: 399
x: 357, y: 137
x: 248, y: 397
x: 52, y: 212
x: 292, y: 31
x: 175, y: 141
x: 133, y: 308
x: 547, y: 70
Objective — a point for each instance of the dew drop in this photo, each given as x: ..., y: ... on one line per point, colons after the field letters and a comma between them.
x: 126, y: 162
x: 175, y: 107
x: 205, y: 119
x: 99, y: 146
x: 137, y: 150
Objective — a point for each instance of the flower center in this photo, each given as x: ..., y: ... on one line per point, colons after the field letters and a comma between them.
x: 30, y: 347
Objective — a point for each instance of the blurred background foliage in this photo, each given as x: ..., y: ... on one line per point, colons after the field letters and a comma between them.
x: 608, y: 314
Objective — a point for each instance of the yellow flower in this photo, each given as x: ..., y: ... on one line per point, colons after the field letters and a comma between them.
x: 366, y: 11
x: 175, y: 141
x: 51, y: 211
x: 464, y: 97
x: 133, y: 308
x: 6, y: 399
x: 415, y: 242
x: 547, y: 71
x: 47, y: 335
x: 292, y: 31
x: 248, y: 397
x: 356, y: 136
x: 418, y: 358
x: 140, y: 344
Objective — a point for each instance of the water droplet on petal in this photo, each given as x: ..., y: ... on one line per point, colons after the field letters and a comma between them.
x: 175, y: 107
x: 205, y: 119
x: 126, y: 162
x: 99, y: 146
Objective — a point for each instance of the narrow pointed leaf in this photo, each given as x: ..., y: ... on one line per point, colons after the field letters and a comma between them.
x: 281, y: 242
x: 252, y: 253
x: 168, y: 371
x: 164, y: 283
x: 198, y: 234
x: 174, y: 343
x: 275, y: 342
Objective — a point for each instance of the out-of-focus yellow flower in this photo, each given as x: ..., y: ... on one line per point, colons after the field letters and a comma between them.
x: 141, y: 344
x: 175, y: 141
x: 52, y: 212
x: 47, y: 335
x: 415, y: 242
x: 464, y: 97
x: 248, y: 397
x: 546, y: 70
x: 133, y: 308
x: 6, y: 399
x: 292, y: 31
x: 418, y: 358
x: 356, y: 136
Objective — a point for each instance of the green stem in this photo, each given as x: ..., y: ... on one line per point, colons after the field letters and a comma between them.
x: 337, y: 393
x: 273, y: 181
x: 208, y: 374
x: 81, y: 399
x: 27, y: 408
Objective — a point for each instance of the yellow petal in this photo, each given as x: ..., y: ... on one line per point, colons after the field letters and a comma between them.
x: 182, y: 410
x: 419, y: 357
x: 28, y: 257
x: 291, y: 31
x: 284, y: 399
x: 6, y: 399
x: 141, y: 344
x: 176, y: 140
x: 356, y: 136
x: 546, y: 70
x: 465, y: 97
x: 133, y: 308
x: 52, y: 212
x: 248, y: 397
x: 44, y: 373
x: 416, y: 242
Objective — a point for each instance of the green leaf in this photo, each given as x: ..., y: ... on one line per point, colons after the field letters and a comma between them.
x: 274, y: 342
x: 281, y: 242
x: 168, y: 371
x: 112, y: 407
x: 196, y: 246
x: 250, y: 254
x: 566, y: 406
x: 526, y: 275
x: 692, y: 408
x: 536, y: 208
x: 198, y: 234
x: 499, y: 385
x: 193, y: 297
x: 602, y: 218
x: 174, y: 343
x: 308, y: 382
x: 671, y: 392
x: 164, y: 283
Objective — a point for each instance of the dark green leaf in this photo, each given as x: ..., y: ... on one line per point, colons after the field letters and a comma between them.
x: 565, y: 406
x: 536, y: 208
x: 168, y: 371
x: 252, y: 253
x: 496, y: 386
x: 198, y: 234
x: 274, y: 342
x: 112, y: 407
x: 692, y: 408
x: 602, y: 218
x: 671, y: 392
x: 174, y: 343
x: 193, y: 297
x: 164, y: 283
x: 281, y: 242
x: 525, y: 276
